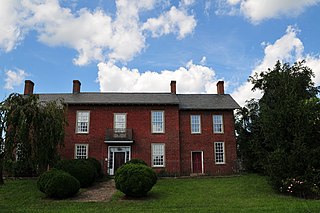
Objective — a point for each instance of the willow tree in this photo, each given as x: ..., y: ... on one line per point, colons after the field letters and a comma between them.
x: 31, y: 131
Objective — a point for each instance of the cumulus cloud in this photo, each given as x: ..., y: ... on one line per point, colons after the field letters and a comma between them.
x: 259, y: 10
x: 95, y: 35
x: 14, y: 78
x: 192, y: 78
x: 174, y: 21
x: 288, y: 48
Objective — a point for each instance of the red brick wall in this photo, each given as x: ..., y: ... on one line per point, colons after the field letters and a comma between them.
x: 138, y: 119
x: 205, y: 142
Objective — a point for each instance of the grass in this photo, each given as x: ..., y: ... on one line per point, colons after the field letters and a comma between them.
x: 247, y: 193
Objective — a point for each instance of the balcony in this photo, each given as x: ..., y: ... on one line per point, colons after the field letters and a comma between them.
x: 119, y: 136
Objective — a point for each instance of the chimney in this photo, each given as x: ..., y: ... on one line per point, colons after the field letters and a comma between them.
x: 173, y: 87
x: 76, y: 86
x: 220, y: 87
x: 28, y: 87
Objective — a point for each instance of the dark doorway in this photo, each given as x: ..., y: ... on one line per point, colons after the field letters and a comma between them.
x: 196, y: 162
x: 119, y: 160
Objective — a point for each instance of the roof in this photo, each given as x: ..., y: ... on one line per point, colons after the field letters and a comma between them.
x: 185, y: 101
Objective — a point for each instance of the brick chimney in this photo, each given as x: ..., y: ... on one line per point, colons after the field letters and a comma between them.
x: 220, y: 87
x: 173, y: 87
x: 28, y: 87
x: 76, y: 86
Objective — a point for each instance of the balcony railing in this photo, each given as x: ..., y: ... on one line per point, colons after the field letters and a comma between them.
x: 123, y: 135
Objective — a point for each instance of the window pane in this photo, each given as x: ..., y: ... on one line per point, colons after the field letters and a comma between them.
x: 81, y: 151
x: 82, y: 122
x: 219, y: 152
x: 217, y: 124
x: 195, y: 124
x: 157, y: 121
x: 157, y: 155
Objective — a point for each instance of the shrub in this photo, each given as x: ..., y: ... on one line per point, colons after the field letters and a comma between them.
x: 300, y: 187
x: 96, y: 164
x: 81, y: 169
x: 136, y: 161
x: 135, y: 180
x: 58, y: 184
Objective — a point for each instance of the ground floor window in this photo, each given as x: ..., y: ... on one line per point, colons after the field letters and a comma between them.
x: 81, y: 151
x: 219, y: 152
x: 158, y: 155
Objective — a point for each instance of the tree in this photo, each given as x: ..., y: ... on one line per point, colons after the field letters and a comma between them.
x: 31, y: 131
x: 282, y: 129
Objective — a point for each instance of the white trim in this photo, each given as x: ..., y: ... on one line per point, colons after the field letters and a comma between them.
x: 222, y: 124
x: 113, y: 149
x: 77, y: 114
x: 163, y: 122
x: 118, y: 141
x: 194, y: 133
x: 202, y: 165
x: 224, y: 153
x: 114, y: 120
x: 84, y: 145
x: 164, y: 155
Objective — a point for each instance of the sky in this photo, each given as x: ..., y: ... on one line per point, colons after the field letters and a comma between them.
x: 141, y: 45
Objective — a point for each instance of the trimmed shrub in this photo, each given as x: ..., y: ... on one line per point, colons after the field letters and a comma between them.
x: 136, y: 161
x: 135, y: 180
x: 58, y: 184
x: 81, y: 169
x: 96, y: 164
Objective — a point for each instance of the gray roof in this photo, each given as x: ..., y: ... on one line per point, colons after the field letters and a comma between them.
x: 185, y: 101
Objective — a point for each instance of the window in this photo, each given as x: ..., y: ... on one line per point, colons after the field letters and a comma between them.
x: 217, y: 124
x: 158, y: 155
x: 219, y: 152
x: 195, y: 124
x: 157, y: 120
x: 120, y: 121
x: 81, y: 151
x: 83, y: 118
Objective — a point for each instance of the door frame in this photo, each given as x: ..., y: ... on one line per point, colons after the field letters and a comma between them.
x: 111, y: 151
x: 202, y: 167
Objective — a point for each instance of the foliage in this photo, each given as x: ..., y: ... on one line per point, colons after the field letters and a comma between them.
x: 279, y: 135
x: 135, y: 180
x: 81, y: 169
x: 31, y: 130
x: 97, y: 165
x: 300, y: 188
x: 137, y: 161
x: 58, y: 184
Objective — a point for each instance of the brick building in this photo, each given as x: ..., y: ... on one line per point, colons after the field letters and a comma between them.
x: 176, y: 134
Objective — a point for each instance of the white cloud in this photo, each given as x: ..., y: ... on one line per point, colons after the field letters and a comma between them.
x: 203, y: 60
x: 192, y: 78
x: 14, y: 78
x: 95, y: 35
x: 259, y: 10
x: 288, y: 48
x: 174, y: 21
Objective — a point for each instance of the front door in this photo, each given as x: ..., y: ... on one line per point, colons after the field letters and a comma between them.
x: 196, y: 162
x: 119, y: 159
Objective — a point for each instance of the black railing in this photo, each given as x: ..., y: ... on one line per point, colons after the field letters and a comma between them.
x: 119, y: 135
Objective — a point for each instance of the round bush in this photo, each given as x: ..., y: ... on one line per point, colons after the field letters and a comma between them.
x: 135, y: 180
x: 81, y: 169
x: 136, y: 161
x: 58, y: 184
x: 96, y: 164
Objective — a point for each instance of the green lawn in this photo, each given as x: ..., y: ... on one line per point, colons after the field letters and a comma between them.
x: 247, y: 193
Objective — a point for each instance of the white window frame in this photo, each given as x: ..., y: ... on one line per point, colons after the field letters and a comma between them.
x: 78, y: 130
x: 216, y: 152
x: 154, y: 155
x: 193, y: 124
x: 220, y: 124
x: 154, y: 130
x: 115, y: 122
x: 78, y: 155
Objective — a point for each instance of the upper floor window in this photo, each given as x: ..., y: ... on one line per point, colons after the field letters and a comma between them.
x: 195, y: 124
x: 81, y: 151
x: 120, y: 122
x: 158, y: 155
x: 157, y: 121
x: 217, y: 123
x: 83, y: 118
x: 219, y: 152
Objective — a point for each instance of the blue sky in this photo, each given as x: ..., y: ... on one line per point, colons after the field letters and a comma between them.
x: 141, y: 45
